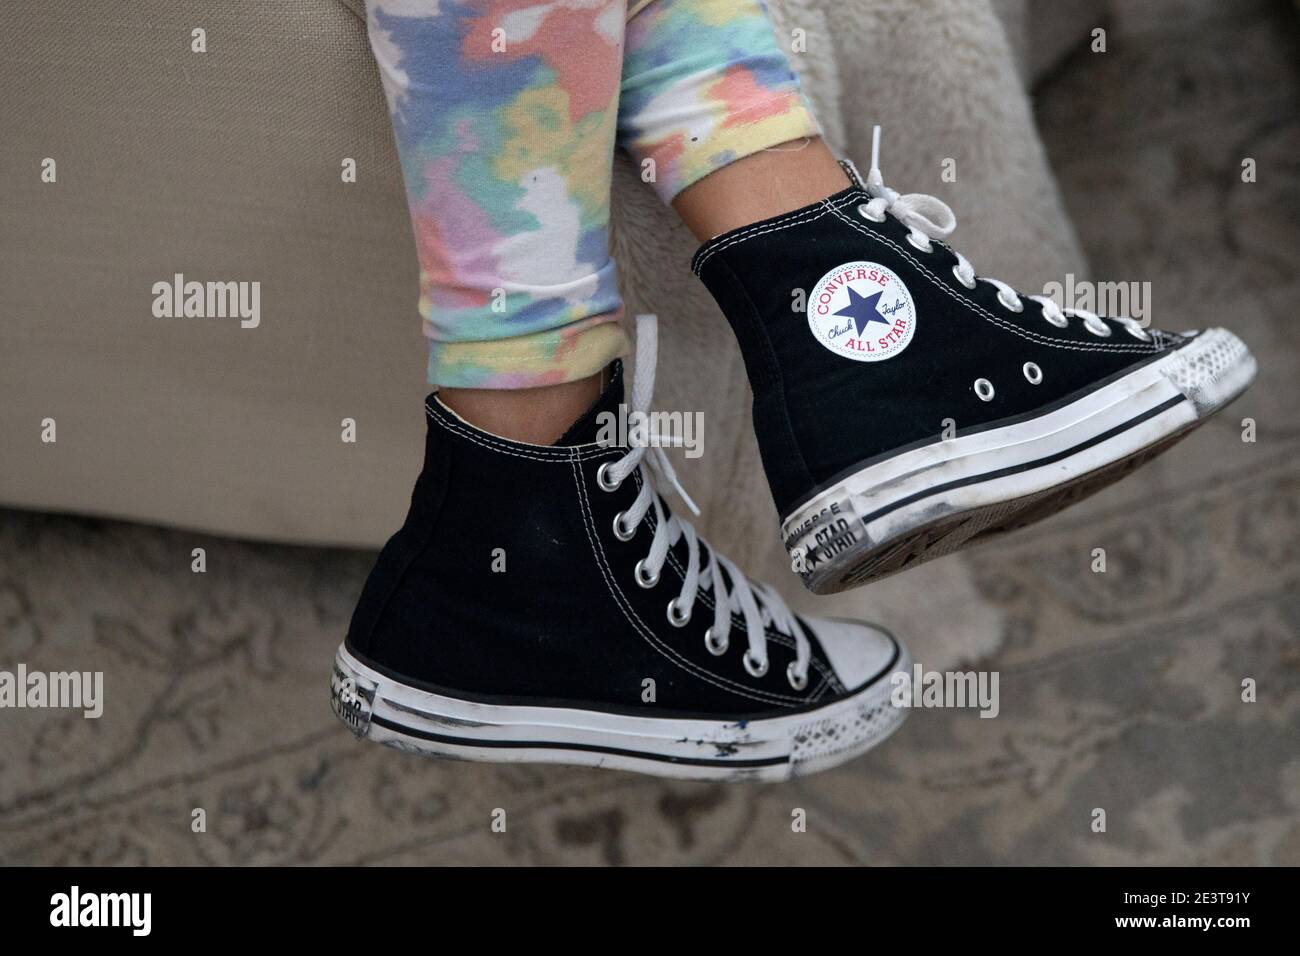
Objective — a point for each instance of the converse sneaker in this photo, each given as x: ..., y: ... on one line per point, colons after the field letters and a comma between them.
x: 912, y: 407
x: 543, y: 604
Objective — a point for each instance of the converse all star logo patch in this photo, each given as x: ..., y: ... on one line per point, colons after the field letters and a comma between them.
x: 862, y: 311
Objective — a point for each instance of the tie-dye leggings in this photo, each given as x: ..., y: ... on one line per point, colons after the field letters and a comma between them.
x: 507, y: 114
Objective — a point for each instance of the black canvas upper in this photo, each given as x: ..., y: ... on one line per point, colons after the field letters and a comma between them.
x: 819, y: 415
x: 564, y: 623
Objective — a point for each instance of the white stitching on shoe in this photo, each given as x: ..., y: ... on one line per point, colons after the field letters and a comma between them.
x: 821, y: 689
x: 759, y: 605
x: 772, y: 225
x: 834, y: 209
x: 1037, y: 338
x: 647, y: 633
x: 776, y: 637
x: 559, y: 455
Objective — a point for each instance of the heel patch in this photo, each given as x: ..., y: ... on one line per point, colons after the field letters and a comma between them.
x: 352, y: 699
x: 824, y: 535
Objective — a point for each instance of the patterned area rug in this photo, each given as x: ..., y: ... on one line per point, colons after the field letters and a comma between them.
x: 1120, y: 691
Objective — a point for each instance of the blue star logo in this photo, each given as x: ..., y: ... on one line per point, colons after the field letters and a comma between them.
x: 863, y: 310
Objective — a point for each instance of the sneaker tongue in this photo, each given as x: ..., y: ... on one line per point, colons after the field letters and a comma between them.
x: 585, y: 430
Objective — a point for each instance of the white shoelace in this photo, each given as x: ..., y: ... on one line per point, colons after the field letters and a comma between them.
x: 758, y: 604
x: 929, y: 217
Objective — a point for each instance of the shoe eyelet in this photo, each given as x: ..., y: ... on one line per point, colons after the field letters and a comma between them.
x: 1011, y: 305
x: 1033, y: 374
x: 643, y: 577
x: 865, y: 212
x: 1061, y: 323
x: 1139, y: 333
x: 797, y: 681
x: 755, y: 670
x: 716, y: 647
x: 1102, y: 331
x: 602, y: 478
x: 984, y: 389
x: 957, y: 275
x: 926, y: 246
x: 675, y: 617
x: 622, y: 531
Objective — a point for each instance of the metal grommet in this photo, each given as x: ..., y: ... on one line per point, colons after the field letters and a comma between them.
x: 716, y: 647
x: 602, y: 478
x: 643, y: 577
x: 676, y: 617
x: 1014, y: 304
x: 621, y: 531
x: 915, y: 243
x: 865, y: 213
x: 984, y: 389
x: 755, y: 670
x: 797, y: 681
x: 1033, y: 374
x: 957, y: 275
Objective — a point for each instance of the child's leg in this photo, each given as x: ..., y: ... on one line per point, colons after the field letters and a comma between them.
x: 713, y: 112
x: 904, y: 405
x: 504, y: 114
x: 609, y: 593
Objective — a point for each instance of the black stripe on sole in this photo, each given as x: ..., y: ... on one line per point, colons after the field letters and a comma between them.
x: 1006, y: 422
x: 587, y: 748
x: 1030, y: 465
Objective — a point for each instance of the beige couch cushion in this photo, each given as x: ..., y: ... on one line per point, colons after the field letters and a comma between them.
x: 223, y: 165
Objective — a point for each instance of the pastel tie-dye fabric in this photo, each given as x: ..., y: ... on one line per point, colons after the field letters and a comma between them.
x: 506, y: 116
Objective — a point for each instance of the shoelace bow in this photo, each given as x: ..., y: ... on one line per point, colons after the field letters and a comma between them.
x: 758, y: 604
x: 929, y: 218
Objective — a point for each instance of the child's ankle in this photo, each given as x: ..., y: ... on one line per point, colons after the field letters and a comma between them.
x: 536, y: 416
x: 760, y: 186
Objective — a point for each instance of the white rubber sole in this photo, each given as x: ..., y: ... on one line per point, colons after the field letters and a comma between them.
x: 375, y: 706
x: 936, y: 499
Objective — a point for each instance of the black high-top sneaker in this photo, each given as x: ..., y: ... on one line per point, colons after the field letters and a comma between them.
x: 541, y: 603
x: 912, y: 407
